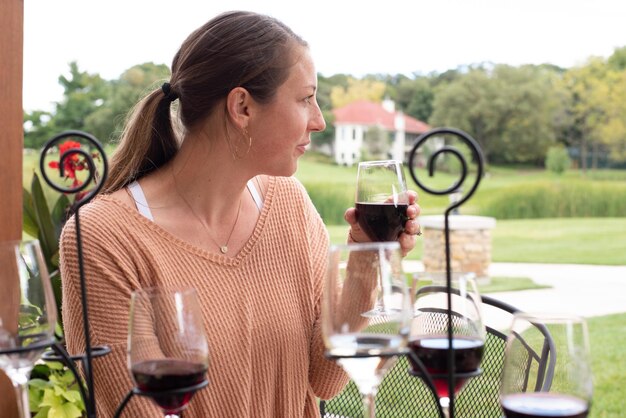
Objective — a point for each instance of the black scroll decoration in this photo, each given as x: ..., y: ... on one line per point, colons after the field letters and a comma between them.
x: 97, y: 179
x: 478, y: 158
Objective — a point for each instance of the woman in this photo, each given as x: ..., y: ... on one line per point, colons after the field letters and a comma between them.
x: 218, y: 211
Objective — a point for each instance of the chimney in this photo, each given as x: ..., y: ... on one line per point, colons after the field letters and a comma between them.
x: 389, y: 105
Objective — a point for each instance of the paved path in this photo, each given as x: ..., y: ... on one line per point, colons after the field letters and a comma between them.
x: 580, y: 289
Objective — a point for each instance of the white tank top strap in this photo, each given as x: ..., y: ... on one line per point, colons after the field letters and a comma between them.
x: 140, y: 200
x: 255, y: 195
x: 142, y: 204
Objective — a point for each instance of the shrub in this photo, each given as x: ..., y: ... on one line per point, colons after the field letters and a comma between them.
x: 557, y: 159
x: 331, y: 201
x: 544, y: 199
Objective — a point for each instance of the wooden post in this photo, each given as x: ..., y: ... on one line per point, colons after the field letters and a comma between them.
x: 11, y: 143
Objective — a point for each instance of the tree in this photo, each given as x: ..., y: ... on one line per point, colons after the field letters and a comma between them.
x: 595, y: 109
x: 372, y: 90
x: 617, y: 61
x: 83, y: 94
x: 106, y: 122
x: 508, y: 110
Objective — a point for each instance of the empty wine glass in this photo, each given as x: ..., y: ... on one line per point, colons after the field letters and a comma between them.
x: 381, y: 199
x: 560, y: 385
x: 432, y: 329
x: 167, y: 348
x: 27, y: 314
x: 359, y: 338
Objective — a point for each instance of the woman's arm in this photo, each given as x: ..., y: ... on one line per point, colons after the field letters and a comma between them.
x: 110, y: 278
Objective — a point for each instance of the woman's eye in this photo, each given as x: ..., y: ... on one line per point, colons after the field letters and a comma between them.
x: 309, y: 99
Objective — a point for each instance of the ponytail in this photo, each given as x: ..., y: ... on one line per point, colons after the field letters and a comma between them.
x: 147, y: 143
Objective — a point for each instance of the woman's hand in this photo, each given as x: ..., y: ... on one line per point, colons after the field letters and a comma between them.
x: 406, y: 238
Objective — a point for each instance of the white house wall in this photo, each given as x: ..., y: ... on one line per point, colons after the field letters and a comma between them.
x: 348, y: 144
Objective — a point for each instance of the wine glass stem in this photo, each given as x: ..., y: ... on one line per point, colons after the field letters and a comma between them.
x: 21, y: 394
x: 370, y: 405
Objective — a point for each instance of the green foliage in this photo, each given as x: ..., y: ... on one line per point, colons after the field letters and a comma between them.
x: 510, y: 111
x: 545, y: 199
x: 46, y: 226
x: 54, y: 393
x: 330, y: 202
x: 557, y: 159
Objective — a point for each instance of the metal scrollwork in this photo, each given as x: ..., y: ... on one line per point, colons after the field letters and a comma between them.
x: 447, y: 149
x: 84, y: 161
x: 93, y: 176
x: 454, y: 188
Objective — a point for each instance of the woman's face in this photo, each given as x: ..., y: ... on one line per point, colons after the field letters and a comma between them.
x: 281, y: 129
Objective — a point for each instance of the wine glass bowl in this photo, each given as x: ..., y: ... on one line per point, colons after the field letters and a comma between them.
x: 28, y: 314
x: 167, y: 346
x: 559, y: 386
x: 366, y: 312
x: 434, y: 327
x: 381, y: 199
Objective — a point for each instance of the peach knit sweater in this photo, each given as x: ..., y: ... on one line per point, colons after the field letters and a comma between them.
x: 261, y: 309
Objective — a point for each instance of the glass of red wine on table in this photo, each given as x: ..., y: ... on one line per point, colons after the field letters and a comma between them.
x: 167, y: 347
x: 434, y: 327
x: 362, y: 340
x: 568, y: 389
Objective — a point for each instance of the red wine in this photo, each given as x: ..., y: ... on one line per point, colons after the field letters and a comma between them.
x: 433, y: 353
x: 544, y: 405
x: 167, y: 374
x: 381, y: 221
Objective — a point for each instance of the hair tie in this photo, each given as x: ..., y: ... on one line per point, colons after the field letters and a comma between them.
x: 168, y: 93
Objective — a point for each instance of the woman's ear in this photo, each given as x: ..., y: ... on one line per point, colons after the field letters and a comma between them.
x: 238, y: 104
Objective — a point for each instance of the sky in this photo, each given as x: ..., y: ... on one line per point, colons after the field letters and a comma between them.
x: 345, y: 36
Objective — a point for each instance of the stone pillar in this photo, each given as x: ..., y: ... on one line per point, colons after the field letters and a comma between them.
x: 470, y: 244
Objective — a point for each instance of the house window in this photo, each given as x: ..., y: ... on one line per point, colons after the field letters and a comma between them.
x: 354, y: 134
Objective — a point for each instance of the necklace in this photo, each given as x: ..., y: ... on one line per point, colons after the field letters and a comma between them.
x: 223, y: 248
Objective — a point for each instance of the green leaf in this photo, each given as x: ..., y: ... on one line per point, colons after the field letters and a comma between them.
x: 67, y: 378
x: 67, y: 410
x: 47, y: 236
x: 72, y: 396
x: 42, y: 413
x: 29, y: 219
x: 35, y: 395
x: 38, y: 383
x: 59, y: 214
x: 55, y: 365
x: 50, y: 398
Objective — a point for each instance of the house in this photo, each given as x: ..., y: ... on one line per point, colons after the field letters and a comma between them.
x: 361, y: 124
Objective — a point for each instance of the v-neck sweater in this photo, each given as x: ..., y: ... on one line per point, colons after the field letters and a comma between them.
x: 260, y: 309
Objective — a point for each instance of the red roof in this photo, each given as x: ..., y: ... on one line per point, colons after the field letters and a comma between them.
x: 369, y: 113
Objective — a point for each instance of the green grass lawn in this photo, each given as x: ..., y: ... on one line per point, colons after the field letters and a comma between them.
x: 567, y: 240
x: 607, y: 340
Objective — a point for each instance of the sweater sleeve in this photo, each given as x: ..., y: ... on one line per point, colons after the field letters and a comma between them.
x: 110, y: 277
x: 327, y: 378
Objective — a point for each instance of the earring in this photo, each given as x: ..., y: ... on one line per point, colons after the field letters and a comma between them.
x: 234, y: 149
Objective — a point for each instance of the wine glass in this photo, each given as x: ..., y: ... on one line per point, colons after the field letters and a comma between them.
x: 433, y: 329
x: 28, y: 314
x: 381, y: 199
x: 562, y: 385
x: 363, y: 340
x: 167, y: 348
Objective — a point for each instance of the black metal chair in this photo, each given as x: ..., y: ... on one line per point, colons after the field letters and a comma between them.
x: 402, y: 395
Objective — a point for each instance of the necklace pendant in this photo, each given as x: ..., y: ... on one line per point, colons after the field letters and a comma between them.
x: 224, y: 249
